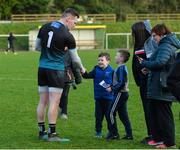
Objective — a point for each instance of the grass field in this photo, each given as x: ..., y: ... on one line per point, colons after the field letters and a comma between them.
x: 19, y: 99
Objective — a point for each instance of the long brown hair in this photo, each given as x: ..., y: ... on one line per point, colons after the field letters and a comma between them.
x: 140, y: 34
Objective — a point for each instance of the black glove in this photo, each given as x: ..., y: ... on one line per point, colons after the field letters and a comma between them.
x: 77, y: 73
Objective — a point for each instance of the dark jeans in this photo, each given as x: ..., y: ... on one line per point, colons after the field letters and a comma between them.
x: 145, y: 102
x: 162, y: 122
x: 64, y: 99
x: 101, y: 109
x: 120, y: 106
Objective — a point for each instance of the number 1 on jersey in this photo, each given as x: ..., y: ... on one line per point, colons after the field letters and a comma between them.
x: 50, y: 33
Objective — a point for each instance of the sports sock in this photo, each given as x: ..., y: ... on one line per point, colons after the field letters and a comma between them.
x: 41, y: 126
x: 52, y: 128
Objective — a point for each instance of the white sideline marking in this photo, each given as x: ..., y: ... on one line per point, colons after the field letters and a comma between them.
x: 18, y: 79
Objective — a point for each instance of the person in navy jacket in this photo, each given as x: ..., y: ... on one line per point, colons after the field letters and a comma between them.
x: 102, y: 76
x: 120, y: 90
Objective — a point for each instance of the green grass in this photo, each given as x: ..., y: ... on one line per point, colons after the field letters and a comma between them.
x: 19, y: 99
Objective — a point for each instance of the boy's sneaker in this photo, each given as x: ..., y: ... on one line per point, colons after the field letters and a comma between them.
x: 43, y: 136
x: 112, y: 136
x: 98, y: 135
x: 127, y: 137
x: 154, y: 143
x: 53, y: 137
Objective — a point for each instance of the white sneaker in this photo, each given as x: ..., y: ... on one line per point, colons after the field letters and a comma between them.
x: 64, y: 116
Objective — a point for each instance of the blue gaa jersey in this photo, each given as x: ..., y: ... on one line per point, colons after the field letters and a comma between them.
x: 55, y: 40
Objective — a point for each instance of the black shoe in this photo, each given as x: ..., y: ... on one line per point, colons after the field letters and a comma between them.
x: 127, y: 137
x: 146, y: 140
x: 112, y: 136
x: 43, y: 135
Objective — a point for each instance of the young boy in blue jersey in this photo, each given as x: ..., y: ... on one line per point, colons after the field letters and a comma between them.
x: 120, y: 90
x: 102, y: 77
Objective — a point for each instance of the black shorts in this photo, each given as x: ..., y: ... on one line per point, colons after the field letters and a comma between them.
x: 51, y: 78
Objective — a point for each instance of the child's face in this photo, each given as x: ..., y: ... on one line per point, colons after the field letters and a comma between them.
x: 119, y: 58
x: 103, y: 62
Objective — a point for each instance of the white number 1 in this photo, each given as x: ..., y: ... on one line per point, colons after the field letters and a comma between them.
x: 50, y: 33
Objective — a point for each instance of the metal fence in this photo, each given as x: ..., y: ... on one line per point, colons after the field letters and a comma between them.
x: 122, y: 40
x: 112, y: 41
x: 21, y: 42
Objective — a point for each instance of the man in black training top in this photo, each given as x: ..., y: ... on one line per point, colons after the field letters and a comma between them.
x: 54, y: 40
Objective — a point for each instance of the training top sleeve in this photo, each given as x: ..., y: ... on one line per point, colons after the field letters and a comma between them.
x: 38, y: 44
x: 70, y: 41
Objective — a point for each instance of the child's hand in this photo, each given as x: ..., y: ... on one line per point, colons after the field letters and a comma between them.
x: 109, y: 89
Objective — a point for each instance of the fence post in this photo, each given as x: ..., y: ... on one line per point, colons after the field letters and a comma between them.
x: 127, y: 41
x: 106, y: 41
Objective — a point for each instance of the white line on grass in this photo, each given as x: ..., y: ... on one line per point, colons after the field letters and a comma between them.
x: 18, y: 79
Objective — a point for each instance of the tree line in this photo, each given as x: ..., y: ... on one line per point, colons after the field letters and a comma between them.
x: 119, y: 7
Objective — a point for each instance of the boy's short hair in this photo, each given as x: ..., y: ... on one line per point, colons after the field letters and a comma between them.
x: 125, y: 53
x: 107, y: 55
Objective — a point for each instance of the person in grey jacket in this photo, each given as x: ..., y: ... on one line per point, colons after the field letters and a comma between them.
x: 160, y: 64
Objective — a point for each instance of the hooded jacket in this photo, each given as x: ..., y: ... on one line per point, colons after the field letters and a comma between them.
x: 160, y: 65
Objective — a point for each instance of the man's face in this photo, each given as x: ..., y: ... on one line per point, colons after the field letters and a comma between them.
x: 71, y: 21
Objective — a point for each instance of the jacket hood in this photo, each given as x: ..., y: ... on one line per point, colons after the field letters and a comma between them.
x: 171, y: 39
x: 147, y: 25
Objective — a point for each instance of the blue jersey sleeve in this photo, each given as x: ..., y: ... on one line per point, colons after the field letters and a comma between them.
x: 89, y: 75
x: 121, y: 73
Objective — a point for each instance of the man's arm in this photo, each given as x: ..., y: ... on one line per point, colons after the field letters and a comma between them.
x: 75, y: 58
x: 38, y: 44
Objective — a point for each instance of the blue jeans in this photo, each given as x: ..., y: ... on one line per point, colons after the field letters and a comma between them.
x: 119, y: 105
x: 101, y: 109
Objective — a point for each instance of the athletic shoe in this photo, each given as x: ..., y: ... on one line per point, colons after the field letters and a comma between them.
x: 146, y: 140
x: 64, y: 116
x: 127, y: 137
x: 112, y: 136
x: 43, y: 136
x: 55, y: 138
x: 154, y: 143
x: 98, y: 135
x: 162, y: 146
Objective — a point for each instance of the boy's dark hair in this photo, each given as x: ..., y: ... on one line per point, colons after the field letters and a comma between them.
x: 71, y: 11
x: 125, y: 53
x: 107, y: 55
